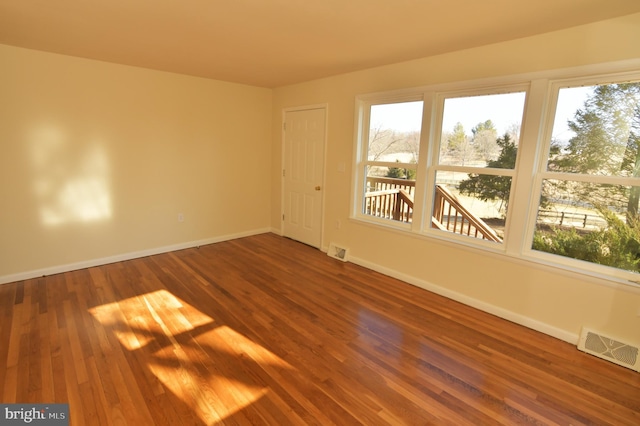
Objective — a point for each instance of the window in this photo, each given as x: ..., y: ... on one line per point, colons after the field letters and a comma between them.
x: 393, y: 145
x: 590, y: 183
x: 476, y: 164
x: 543, y: 168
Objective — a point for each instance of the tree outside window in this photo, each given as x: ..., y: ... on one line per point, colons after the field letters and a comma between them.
x: 591, y: 189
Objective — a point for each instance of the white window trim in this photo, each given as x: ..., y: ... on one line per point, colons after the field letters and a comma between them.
x: 541, y: 174
x: 535, y: 136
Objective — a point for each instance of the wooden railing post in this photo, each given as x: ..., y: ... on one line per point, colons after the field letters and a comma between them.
x: 458, y: 211
x: 396, y: 207
x: 437, y: 206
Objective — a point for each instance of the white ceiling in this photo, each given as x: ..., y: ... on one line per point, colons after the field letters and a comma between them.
x: 271, y: 43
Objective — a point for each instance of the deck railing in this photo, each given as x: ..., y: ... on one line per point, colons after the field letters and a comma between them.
x: 391, y: 198
x: 450, y: 215
x: 382, y: 184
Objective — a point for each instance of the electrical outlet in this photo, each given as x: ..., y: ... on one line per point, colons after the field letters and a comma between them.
x: 180, y: 217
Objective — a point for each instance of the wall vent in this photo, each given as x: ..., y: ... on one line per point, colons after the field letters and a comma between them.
x: 624, y: 354
x: 338, y: 252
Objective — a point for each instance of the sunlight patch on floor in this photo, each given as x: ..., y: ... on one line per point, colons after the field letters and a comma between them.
x: 213, y: 397
x: 129, y: 319
x: 209, y: 367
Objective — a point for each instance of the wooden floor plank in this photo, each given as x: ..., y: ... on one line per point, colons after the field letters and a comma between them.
x: 264, y: 330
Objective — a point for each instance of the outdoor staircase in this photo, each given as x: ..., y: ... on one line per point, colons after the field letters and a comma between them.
x: 391, y: 198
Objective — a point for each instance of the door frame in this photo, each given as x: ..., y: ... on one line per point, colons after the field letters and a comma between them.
x: 325, y: 107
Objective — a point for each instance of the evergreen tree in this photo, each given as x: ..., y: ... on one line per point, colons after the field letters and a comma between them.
x: 631, y: 162
x: 491, y: 187
x: 395, y: 172
x: 400, y: 173
x: 606, y: 142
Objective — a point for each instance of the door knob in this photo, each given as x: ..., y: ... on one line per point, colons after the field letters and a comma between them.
x: 317, y: 188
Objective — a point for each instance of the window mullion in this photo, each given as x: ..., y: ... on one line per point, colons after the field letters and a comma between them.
x: 420, y: 209
x: 580, y: 177
x: 431, y: 118
x: 477, y: 170
x: 525, y: 194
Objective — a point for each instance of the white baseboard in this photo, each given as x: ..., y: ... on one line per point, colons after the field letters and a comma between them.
x: 478, y: 304
x: 125, y: 256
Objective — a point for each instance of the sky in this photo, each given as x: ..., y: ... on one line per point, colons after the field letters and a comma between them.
x: 569, y: 100
x: 503, y: 110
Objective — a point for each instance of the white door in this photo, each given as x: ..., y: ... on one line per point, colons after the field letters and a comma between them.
x: 304, y: 139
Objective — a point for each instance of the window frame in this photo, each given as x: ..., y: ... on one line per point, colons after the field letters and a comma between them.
x: 363, y: 111
x: 533, y: 148
x: 542, y: 173
x: 434, y: 165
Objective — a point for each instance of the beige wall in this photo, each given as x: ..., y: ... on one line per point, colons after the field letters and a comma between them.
x: 541, y: 297
x: 98, y: 159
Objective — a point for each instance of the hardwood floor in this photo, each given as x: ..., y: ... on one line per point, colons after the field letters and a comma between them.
x: 264, y: 330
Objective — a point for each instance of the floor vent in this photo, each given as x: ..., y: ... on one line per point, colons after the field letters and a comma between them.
x: 604, y: 347
x: 338, y: 252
